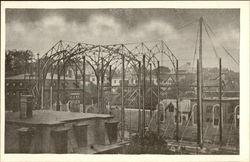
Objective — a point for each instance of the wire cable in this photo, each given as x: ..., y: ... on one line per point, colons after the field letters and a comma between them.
x: 227, y: 52
x: 214, y: 49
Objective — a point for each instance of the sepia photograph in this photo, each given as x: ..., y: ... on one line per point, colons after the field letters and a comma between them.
x: 130, y: 81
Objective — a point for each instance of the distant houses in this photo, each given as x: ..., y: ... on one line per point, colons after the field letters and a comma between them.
x: 23, y: 83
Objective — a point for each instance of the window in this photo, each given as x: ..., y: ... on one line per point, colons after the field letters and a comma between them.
x: 93, y: 79
x: 170, y: 107
x: 216, y: 122
x: 209, y: 109
x: 216, y: 110
x: 195, y: 114
x: 114, y: 81
x: 237, y: 116
x: 230, y: 108
x: 208, y: 120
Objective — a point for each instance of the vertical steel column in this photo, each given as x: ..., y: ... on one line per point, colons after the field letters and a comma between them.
x: 110, y: 86
x: 42, y: 94
x: 51, y: 88
x: 98, y: 90
x: 143, y: 94
x: 102, y: 80
x: 38, y: 80
x: 122, y: 107
x: 98, y: 83
x: 220, y: 100
x: 158, y: 98
x: 58, y: 86
x: 64, y: 85
x: 151, y: 92
x: 76, y: 74
x: 83, y: 84
x: 177, y: 101
x: 139, y: 98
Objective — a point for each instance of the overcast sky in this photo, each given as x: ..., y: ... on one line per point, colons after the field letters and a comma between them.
x: 38, y: 29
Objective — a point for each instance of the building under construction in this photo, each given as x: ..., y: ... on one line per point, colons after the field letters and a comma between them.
x: 88, y: 98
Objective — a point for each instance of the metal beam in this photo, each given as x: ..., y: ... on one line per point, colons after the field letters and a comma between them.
x: 151, y: 91
x: 158, y: 98
x: 102, y: 80
x: 139, y: 98
x: 220, y: 103
x: 83, y: 83
x: 58, y: 87
x: 38, y: 80
x: 177, y: 102
x: 143, y: 94
x: 122, y: 107
x: 110, y: 85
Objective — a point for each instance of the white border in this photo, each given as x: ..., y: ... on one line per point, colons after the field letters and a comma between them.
x: 244, y: 79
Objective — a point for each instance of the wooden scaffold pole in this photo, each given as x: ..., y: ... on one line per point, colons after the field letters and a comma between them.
x: 200, y: 85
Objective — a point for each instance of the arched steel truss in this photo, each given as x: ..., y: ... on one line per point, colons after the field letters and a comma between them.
x: 99, y: 57
x: 133, y: 58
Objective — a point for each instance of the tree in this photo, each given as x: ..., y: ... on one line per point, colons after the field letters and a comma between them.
x: 18, y: 62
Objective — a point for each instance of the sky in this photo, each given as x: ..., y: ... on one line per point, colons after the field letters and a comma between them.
x: 39, y: 29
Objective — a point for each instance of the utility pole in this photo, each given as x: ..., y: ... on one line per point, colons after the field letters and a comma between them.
x: 220, y: 100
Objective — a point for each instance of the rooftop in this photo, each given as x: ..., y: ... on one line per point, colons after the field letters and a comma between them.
x: 49, y: 117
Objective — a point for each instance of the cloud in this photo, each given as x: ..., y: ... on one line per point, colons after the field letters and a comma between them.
x: 40, y: 35
x: 99, y: 29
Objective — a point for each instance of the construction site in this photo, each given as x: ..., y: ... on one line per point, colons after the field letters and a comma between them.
x: 110, y: 98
